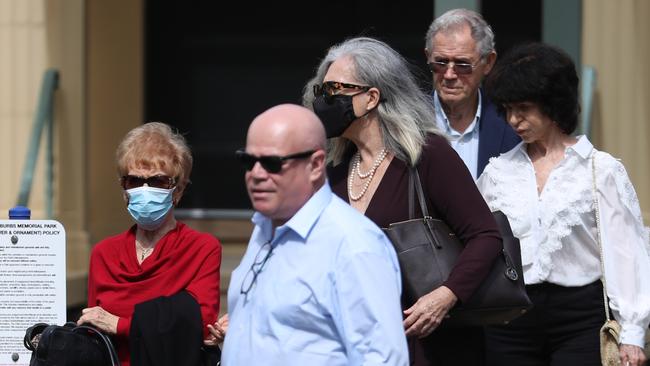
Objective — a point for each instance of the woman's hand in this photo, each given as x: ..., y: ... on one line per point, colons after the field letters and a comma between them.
x: 631, y: 355
x: 217, y: 331
x: 100, y: 318
x: 428, y: 312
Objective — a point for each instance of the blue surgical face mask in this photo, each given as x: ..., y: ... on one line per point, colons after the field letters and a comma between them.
x: 148, y: 206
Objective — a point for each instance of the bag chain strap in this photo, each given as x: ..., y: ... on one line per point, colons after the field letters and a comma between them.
x: 600, y: 244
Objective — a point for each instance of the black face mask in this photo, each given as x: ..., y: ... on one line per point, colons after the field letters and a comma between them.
x: 336, y: 112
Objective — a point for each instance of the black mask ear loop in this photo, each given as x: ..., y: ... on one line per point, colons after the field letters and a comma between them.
x: 373, y: 108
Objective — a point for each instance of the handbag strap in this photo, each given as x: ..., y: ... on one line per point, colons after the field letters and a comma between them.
x: 598, y: 238
x: 104, y: 339
x: 31, y: 333
x: 414, y: 180
x: 410, y: 193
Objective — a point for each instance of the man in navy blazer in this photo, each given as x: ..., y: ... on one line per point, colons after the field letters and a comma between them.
x: 460, y: 52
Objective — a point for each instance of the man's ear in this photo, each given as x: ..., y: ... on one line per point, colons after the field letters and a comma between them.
x: 318, y: 169
x: 490, y: 59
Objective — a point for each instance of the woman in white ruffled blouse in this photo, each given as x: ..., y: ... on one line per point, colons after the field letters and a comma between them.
x: 545, y: 187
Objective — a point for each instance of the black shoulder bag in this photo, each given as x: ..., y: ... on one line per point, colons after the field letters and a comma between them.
x: 427, y: 251
x: 69, y: 345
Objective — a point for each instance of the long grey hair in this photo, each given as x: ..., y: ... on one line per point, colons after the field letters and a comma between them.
x: 405, y: 112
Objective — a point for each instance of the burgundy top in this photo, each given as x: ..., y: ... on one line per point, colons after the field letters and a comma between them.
x: 451, y: 195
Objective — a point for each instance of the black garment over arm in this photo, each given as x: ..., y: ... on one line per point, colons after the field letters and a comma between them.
x: 167, y: 331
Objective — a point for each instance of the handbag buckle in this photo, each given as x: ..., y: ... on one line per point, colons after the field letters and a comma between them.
x: 511, y: 272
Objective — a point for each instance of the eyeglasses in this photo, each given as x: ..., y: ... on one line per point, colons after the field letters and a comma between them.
x: 460, y: 68
x: 256, y: 268
x: 331, y: 88
x: 270, y: 163
x: 157, y: 181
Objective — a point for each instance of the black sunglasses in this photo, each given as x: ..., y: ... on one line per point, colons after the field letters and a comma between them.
x: 331, y: 88
x: 157, y: 181
x: 460, y: 68
x: 270, y: 163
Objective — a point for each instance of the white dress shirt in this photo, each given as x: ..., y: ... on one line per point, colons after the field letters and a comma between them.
x: 557, y: 228
x: 465, y: 143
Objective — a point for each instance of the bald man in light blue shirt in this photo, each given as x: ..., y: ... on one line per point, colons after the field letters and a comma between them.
x: 319, y: 283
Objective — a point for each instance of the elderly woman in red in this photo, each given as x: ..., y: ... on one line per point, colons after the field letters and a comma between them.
x: 154, y: 287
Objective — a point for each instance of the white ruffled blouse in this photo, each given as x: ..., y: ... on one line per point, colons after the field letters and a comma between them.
x: 557, y: 228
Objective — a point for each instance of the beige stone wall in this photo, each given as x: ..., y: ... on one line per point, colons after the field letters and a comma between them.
x: 97, y: 46
x: 115, y: 77
x: 23, y: 59
x: 616, y: 40
x: 65, y: 21
x: 36, y: 35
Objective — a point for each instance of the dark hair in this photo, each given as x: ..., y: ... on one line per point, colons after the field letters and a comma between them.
x: 538, y: 73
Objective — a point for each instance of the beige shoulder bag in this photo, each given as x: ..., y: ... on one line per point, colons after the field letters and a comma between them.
x: 610, y: 332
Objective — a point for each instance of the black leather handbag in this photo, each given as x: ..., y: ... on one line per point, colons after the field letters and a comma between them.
x: 69, y: 345
x: 427, y: 251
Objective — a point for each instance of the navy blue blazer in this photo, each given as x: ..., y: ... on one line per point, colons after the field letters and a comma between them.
x: 495, y: 136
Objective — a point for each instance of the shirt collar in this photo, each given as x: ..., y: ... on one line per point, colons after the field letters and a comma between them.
x: 441, y: 116
x: 582, y: 147
x: 302, y: 221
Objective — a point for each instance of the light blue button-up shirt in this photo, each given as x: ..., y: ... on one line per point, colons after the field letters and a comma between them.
x: 329, y: 294
x: 466, y: 143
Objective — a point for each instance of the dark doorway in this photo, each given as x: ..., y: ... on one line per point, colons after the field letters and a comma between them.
x: 513, y: 21
x: 211, y: 68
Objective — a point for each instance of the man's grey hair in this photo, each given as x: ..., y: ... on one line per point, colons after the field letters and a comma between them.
x: 405, y: 112
x: 454, y: 20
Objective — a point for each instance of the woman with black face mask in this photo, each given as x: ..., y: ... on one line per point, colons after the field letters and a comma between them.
x: 380, y: 123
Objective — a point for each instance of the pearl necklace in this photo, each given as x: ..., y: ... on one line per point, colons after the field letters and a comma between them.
x: 375, y: 165
x: 145, y: 252
x: 370, y: 174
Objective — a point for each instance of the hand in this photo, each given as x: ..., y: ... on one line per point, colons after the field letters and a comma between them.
x: 100, y: 318
x: 217, y: 331
x: 428, y: 312
x: 631, y: 355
